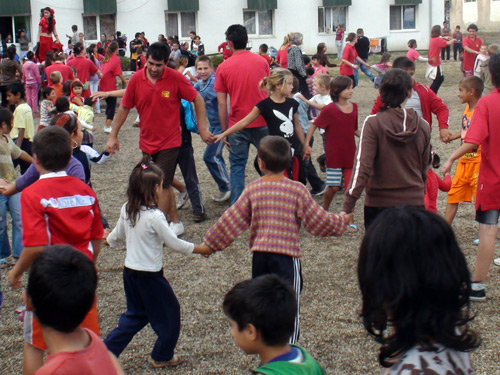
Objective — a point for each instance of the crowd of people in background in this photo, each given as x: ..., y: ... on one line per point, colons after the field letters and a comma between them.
x: 275, y: 100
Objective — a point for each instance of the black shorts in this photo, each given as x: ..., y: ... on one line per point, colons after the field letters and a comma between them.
x: 110, y: 107
x: 488, y: 217
x: 167, y: 161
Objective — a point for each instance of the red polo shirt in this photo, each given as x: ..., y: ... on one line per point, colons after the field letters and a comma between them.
x: 84, y: 69
x: 110, y: 70
x: 66, y: 72
x: 159, y: 108
x: 484, y: 131
x: 470, y: 58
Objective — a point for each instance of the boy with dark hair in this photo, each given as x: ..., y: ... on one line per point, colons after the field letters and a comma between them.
x: 61, y: 291
x: 56, y: 209
x: 263, y: 48
x: 484, y: 132
x: 423, y: 100
x: 274, y: 208
x: 261, y: 312
x: 73, y: 38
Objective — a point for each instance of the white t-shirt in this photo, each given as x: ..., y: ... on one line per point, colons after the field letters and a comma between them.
x: 414, y: 103
x: 145, y: 240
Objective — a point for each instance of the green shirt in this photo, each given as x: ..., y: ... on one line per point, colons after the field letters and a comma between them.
x: 308, y: 366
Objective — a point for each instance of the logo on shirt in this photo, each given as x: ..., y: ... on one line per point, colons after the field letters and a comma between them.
x: 68, y: 202
x: 165, y: 94
x: 286, y: 126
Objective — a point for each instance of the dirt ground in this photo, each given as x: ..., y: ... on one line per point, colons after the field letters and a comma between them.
x: 331, y: 329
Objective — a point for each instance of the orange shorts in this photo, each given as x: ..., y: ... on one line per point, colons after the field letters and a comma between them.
x: 464, y: 183
x: 33, y: 333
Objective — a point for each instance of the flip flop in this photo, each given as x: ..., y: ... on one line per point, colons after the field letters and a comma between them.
x: 175, y: 361
x: 352, y: 228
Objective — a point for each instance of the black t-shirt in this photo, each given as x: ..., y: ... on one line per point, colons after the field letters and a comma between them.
x: 363, y: 47
x: 279, y: 119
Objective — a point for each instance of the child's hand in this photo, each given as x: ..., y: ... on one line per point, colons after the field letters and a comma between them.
x: 94, y: 129
x: 447, y: 167
x: 307, y: 151
x: 355, y: 66
x: 203, y: 249
x: 219, y: 137
x: 7, y: 188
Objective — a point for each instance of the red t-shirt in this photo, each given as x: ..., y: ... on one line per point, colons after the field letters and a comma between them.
x: 60, y: 210
x: 267, y: 58
x: 239, y: 77
x: 110, y: 70
x: 66, y: 72
x: 412, y: 54
x: 84, y: 69
x: 435, y: 46
x: 484, y: 131
x: 340, y: 146
x: 93, y: 360
x: 159, y: 107
x: 470, y: 58
x: 350, y: 55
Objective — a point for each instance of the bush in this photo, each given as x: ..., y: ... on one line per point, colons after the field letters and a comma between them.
x: 125, y: 63
x: 216, y: 60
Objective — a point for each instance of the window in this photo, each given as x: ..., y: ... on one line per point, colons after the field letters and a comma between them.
x: 330, y: 17
x: 469, y: 1
x: 106, y: 22
x: 13, y: 25
x: 180, y: 23
x: 402, y: 17
x: 258, y: 22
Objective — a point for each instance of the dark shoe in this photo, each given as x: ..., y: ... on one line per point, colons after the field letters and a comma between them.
x: 199, y: 217
x: 319, y: 191
x: 322, y: 162
x: 477, y: 293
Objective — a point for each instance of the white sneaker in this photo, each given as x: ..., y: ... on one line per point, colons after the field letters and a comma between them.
x: 177, y: 228
x: 107, y: 129
x: 182, y: 199
x: 496, y: 261
x: 222, y: 196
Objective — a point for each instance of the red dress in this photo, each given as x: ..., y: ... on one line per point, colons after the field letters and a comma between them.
x: 46, y: 42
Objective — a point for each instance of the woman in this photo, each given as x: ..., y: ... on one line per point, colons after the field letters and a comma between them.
x: 339, y: 41
x: 46, y: 27
x: 84, y: 67
x: 111, y: 68
x: 434, y: 72
x: 11, y: 73
x: 350, y: 58
x: 104, y: 42
x: 281, y: 57
x: 295, y: 63
x: 323, y: 59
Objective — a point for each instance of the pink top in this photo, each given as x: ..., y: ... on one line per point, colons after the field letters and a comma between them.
x: 339, y: 35
x: 413, y: 54
x: 320, y: 69
x: 31, y: 73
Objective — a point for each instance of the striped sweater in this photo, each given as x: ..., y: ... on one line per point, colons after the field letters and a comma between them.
x: 274, y: 208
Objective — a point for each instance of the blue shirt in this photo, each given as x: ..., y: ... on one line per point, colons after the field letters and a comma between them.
x: 206, y: 90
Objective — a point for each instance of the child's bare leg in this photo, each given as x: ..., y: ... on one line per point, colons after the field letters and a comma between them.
x: 32, y: 359
x: 485, y: 252
x: 329, y: 194
x: 451, y: 211
x: 167, y: 204
x: 178, y: 185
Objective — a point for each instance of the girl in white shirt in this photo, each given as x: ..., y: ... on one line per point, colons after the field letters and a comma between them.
x: 150, y: 298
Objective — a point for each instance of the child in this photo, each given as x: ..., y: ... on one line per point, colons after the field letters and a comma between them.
x: 60, y: 302
x: 213, y: 153
x: 412, y: 53
x: 69, y: 216
x: 150, y: 298
x: 76, y: 93
x: 434, y: 183
x: 86, y: 114
x: 464, y: 183
x: 181, y: 66
x: 261, y: 313
x: 56, y: 80
x: 481, y: 58
x: 9, y: 151
x: 263, y: 48
x: 340, y: 121
x: 310, y: 82
x: 23, y: 131
x: 280, y: 113
x: 322, y: 88
x: 32, y: 81
x: 48, y: 97
x: 274, y: 208
x: 393, y: 153
x: 381, y: 68
x: 66, y: 89
x: 318, y: 68
x: 414, y: 284
x: 493, y: 49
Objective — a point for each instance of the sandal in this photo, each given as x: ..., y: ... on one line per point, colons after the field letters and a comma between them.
x: 352, y: 228
x: 175, y: 361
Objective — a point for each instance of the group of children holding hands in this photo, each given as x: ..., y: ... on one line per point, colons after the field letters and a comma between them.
x: 264, y: 312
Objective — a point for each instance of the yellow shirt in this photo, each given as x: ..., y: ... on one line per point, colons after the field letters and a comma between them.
x: 23, y: 119
x: 466, y: 117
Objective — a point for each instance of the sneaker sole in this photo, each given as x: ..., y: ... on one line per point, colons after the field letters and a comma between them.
x: 477, y: 299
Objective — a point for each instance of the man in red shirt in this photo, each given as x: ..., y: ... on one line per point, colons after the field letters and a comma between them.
x: 156, y: 92
x: 484, y: 132
x: 471, y: 45
x: 239, y: 78
x: 59, y: 66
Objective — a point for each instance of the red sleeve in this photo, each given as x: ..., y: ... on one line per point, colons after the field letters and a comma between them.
x: 33, y: 221
x: 324, y: 119
x: 97, y: 229
x: 186, y: 90
x: 444, y: 184
x: 439, y: 109
x: 70, y: 75
x: 441, y: 42
x: 128, y: 100
x: 478, y: 131
x: 219, y: 84
x: 378, y: 104
x: 117, y: 68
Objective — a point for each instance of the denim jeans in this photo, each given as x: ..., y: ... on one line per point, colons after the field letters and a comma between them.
x: 365, y: 70
x: 215, y: 162
x: 238, y: 156
x: 13, y: 204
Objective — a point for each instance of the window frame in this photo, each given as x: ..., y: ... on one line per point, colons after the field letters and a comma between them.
x: 178, y: 15
x: 333, y: 30
x: 97, y: 26
x: 402, y: 28
x: 257, y: 33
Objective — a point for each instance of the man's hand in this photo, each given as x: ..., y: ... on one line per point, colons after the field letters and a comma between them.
x: 14, y: 279
x: 445, y: 135
x: 112, y: 145
x: 206, y: 136
x: 307, y: 151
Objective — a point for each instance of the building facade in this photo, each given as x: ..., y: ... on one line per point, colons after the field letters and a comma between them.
x: 484, y: 13
x: 267, y: 21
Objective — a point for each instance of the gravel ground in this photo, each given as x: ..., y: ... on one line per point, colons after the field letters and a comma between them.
x: 331, y: 329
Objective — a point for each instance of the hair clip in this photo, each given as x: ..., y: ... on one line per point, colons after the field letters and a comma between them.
x: 144, y: 166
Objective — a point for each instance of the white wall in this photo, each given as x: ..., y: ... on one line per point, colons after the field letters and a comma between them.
x: 494, y: 11
x: 469, y: 12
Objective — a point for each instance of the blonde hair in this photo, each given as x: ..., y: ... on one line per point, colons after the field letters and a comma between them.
x: 323, y: 79
x: 493, y: 49
x: 181, y: 61
x: 286, y: 40
x: 55, y: 77
x: 278, y: 76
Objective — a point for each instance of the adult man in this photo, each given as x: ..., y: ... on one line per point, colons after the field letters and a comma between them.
x: 59, y: 66
x: 471, y: 45
x: 156, y: 92
x: 363, y: 49
x: 239, y: 77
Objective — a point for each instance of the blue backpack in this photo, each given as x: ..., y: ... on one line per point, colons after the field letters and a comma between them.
x: 189, y: 116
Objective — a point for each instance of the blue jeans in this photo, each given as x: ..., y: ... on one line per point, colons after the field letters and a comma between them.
x: 13, y: 204
x: 215, y: 162
x: 238, y: 156
x: 365, y: 70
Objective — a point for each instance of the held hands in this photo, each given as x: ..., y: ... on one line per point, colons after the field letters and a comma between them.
x: 206, y: 136
x: 307, y: 151
x: 7, y: 188
x: 445, y: 135
x: 355, y: 66
x: 203, y: 250
x: 14, y: 279
x: 447, y: 167
x: 112, y: 145
x: 219, y: 137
